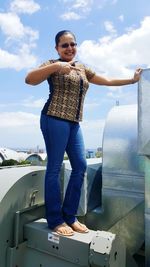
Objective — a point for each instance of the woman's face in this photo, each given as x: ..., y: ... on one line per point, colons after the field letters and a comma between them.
x: 66, y: 47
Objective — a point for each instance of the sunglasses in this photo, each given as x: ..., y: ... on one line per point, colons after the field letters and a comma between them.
x: 66, y: 45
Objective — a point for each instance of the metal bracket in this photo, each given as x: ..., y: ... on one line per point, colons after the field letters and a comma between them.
x: 32, y: 197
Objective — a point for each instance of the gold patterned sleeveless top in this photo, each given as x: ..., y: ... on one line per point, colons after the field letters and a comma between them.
x: 67, y: 92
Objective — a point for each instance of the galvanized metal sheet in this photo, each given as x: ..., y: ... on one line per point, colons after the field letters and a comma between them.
x: 9, y: 176
x: 147, y: 185
x: 143, y: 113
x: 16, y: 191
x: 73, y: 249
x: 147, y: 239
x: 123, y: 168
x: 122, y: 179
x: 120, y: 142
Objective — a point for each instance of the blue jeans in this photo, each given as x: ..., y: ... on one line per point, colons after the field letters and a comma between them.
x: 60, y: 136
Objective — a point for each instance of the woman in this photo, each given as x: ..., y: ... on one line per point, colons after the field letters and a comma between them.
x: 68, y: 82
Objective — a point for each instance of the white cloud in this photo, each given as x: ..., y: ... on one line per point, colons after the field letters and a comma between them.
x: 91, y: 106
x: 20, y: 39
x: 18, y: 119
x: 20, y: 129
x: 12, y: 27
x: 84, y: 5
x: 101, y: 4
x: 109, y: 27
x: 123, y: 95
x: 117, y: 56
x: 17, y: 61
x: 24, y: 6
x: 93, y: 132
x: 78, y: 4
x: 77, y: 9
x: 70, y: 16
x: 30, y: 102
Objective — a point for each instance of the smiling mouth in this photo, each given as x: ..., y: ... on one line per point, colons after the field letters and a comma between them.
x: 69, y: 53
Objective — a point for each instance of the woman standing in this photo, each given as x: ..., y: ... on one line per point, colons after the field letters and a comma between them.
x: 68, y: 82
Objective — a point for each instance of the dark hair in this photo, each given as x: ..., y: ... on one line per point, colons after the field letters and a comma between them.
x: 59, y: 34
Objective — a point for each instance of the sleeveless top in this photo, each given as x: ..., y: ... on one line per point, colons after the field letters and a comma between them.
x: 67, y: 92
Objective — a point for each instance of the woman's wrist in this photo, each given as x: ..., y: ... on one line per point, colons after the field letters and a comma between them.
x: 133, y: 81
x: 58, y: 66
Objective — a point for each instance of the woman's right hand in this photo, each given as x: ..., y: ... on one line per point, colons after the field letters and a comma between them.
x: 66, y: 67
x: 137, y: 75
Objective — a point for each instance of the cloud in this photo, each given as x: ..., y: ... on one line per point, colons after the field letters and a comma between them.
x: 122, y: 95
x: 76, y: 10
x: 24, y: 59
x: 116, y: 56
x: 70, y: 16
x: 93, y: 132
x: 84, y: 5
x: 30, y: 102
x: 101, y: 4
x: 91, y: 106
x: 80, y: 9
x: 19, y: 39
x: 109, y: 27
x: 10, y: 25
x: 20, y: 129
x: 78, y: 4
x: 17, y: 119
x: 24, y: 6
x: 14, y: 30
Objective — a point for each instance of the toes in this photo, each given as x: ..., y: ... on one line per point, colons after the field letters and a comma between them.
x: 79, y: 227
x: 64, y: 229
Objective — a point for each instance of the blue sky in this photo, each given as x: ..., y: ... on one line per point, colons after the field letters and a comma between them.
x: 113, y: 38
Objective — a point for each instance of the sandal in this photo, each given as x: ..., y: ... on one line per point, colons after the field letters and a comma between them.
x: 79, y: 227
x: 63, y: 229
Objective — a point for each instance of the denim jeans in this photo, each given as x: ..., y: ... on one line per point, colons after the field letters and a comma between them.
x: 60, y: 136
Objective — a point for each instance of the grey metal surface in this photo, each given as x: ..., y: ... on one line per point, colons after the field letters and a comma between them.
x: 147, y: 210
x: 27, y: 257
x: 111, y: 249
x: 16, y: 192
x: 120, y: 144
x: 143, y: 113
x: 74, y: 249
x: 147, y: 239
x: 144, y: 148
x: 147, y: 185
x: 95, y: 249
x: 122, y: 210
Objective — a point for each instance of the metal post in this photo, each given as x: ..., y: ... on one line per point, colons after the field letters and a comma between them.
x: 147, y: 211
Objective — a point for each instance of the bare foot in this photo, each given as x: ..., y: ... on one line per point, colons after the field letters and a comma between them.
x: 63, y: 229
x: 79, y: 227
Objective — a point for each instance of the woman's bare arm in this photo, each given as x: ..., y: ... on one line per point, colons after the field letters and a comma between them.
x: 100, y: 80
